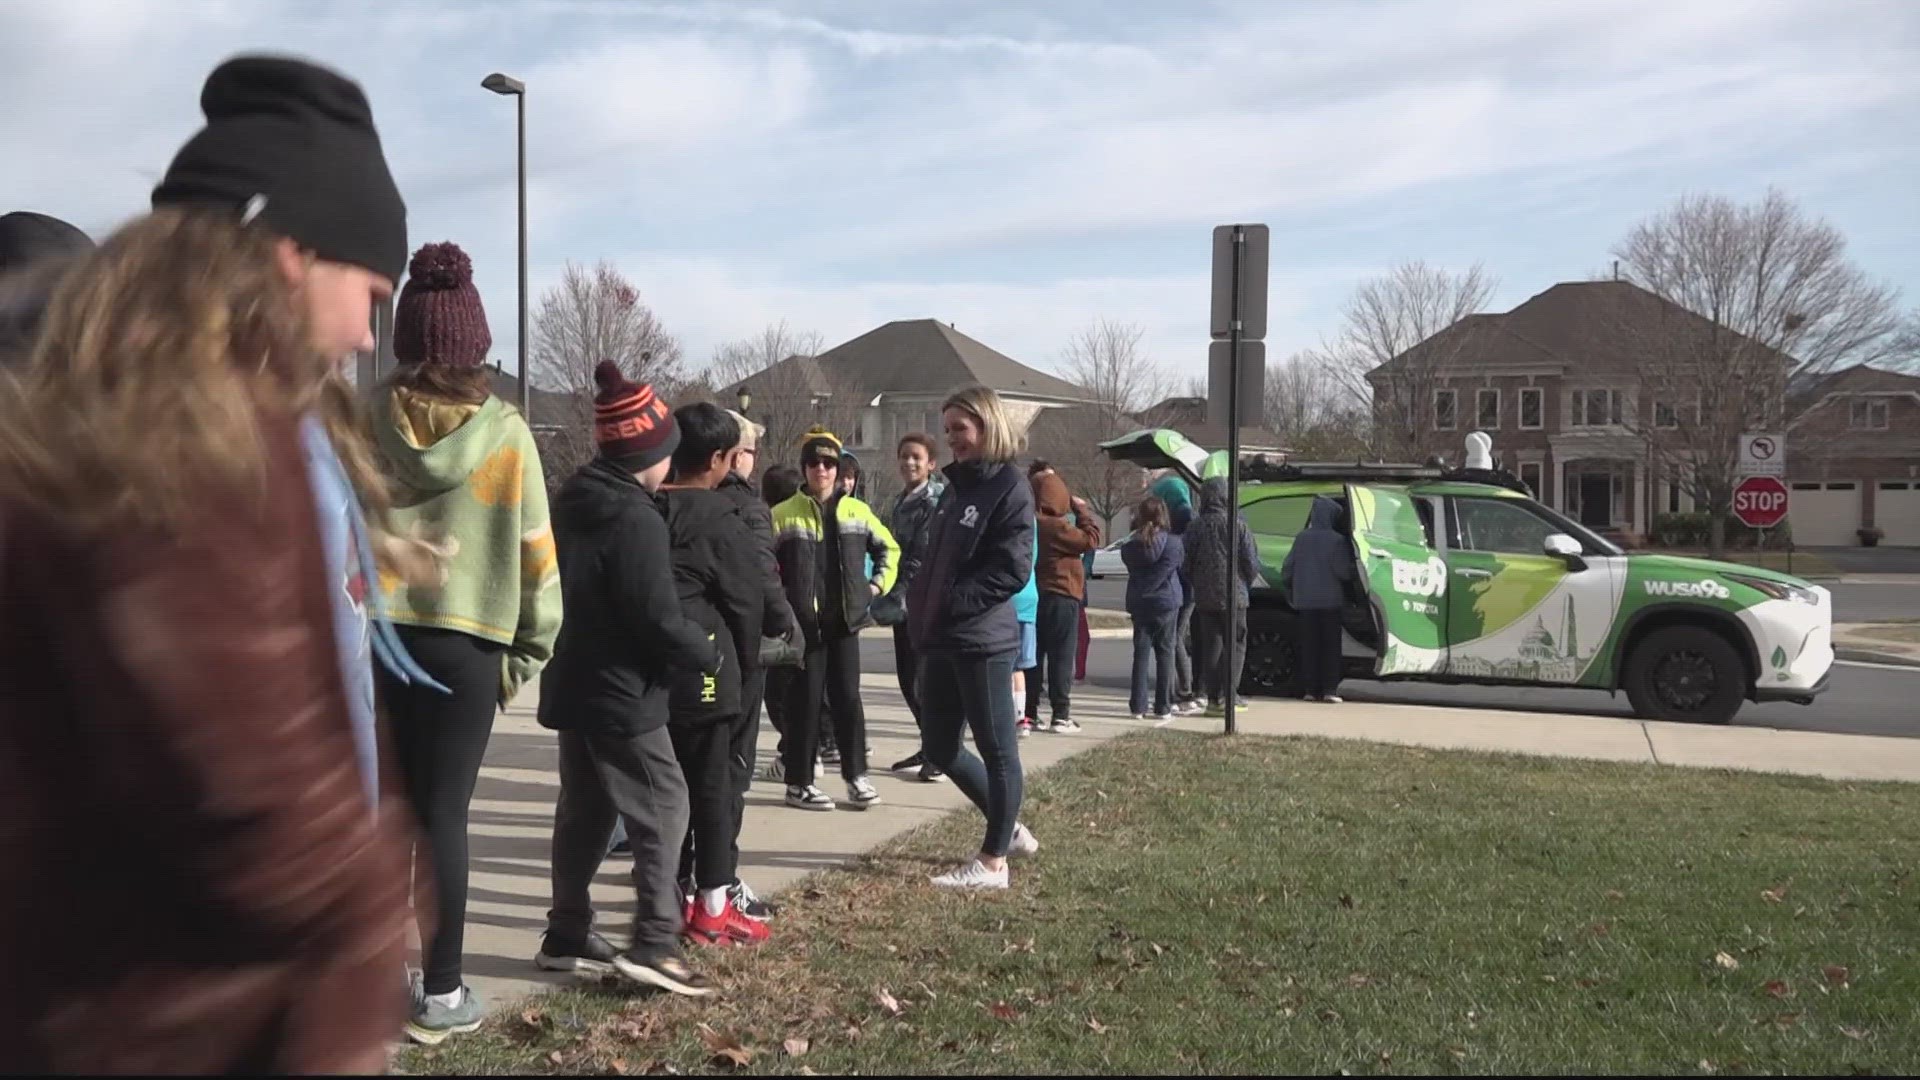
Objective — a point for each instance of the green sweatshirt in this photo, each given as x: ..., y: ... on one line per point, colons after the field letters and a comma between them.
x: 471, y: 474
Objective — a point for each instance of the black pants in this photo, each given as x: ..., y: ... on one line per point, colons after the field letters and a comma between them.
x: 1056, y: 631
x: 746, y: 749
x: 705, y: 753
x: 832, y: 672
x: 638, y: 781
x: 907, y: 667
x: 439, y: 741
x: 1318, y: 635
x: 1211, y: 640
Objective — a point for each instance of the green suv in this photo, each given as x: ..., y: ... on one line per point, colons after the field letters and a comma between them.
x: 1468, y: 579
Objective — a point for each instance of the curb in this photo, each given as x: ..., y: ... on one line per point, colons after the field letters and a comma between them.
x: 1869, y: 656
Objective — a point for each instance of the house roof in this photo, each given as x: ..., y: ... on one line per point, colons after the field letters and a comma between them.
x: 923, y: 356
x: 1583, y: 326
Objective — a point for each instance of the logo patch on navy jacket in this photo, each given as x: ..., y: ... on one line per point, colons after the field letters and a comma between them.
x: 970, y: 518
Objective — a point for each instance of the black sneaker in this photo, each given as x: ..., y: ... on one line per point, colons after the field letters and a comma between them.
x: 746, y: 903
x: 594, y: 956
x: 669, y: 973
x: 913, y: 764
x: 829, y: 755
x: 931, y: 775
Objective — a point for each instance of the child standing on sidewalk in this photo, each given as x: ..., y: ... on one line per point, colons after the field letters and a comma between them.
x: 1154, y: 557
x: 1314, y: 578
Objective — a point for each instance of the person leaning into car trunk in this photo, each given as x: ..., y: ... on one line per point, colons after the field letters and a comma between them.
x: 1067, y: 533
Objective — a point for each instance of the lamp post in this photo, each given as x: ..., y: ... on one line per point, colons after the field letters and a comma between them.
x: 742, y: 398
x: 507, y: 85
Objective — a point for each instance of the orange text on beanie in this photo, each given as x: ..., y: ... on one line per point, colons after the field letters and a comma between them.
x: 439, y: 318
x: 632, y: 426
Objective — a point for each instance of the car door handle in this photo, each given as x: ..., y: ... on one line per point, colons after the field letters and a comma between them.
x: 1379, y: 555
x: 1471, y: 572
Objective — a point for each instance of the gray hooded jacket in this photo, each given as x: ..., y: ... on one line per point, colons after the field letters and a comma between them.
x: 1213, y: 538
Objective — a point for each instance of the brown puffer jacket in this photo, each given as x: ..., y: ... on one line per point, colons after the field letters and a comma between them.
x: 191, y: 879
x: 1057, y: 566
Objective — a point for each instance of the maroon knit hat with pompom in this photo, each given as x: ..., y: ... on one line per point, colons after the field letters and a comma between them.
x: 439, y: 319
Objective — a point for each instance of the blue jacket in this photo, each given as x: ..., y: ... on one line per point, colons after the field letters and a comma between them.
x: 1153, y: 575
x: 1319, y: 567
x: 1026, y: 602
x: 979, y: 556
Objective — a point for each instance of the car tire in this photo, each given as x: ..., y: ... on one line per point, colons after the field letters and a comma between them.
x: 1273, y: 664
x: 1689, y: 674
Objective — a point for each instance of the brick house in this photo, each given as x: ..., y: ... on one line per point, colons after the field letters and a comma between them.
x: 1853, y: 457
x: 1554, y: 381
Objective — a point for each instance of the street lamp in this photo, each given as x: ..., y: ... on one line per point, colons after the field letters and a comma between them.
x: 506, y: 84
x: 743, y: 398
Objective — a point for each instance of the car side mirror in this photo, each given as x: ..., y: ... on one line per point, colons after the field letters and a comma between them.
x: 1566, y: 549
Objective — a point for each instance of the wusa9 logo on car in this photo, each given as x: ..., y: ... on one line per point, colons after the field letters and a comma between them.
x: 1707, y: 589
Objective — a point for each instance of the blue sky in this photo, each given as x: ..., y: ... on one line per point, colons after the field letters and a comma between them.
x: 1020, y: 169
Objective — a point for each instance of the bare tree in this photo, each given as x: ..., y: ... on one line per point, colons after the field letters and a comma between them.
x: 790, y: 391
x: 592, y: 315
x: 1403, y: 335
x: 1119, y: 380
x: 1743, y: 306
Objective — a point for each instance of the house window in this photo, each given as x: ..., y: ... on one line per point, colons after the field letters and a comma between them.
x: 1595, y: 408
x: 1869, y: 415
x: 1487, y: 409
x: 1664, y: 416
x: 1531, y: 475
x: 1532, y: 408
x: 1446, y: 404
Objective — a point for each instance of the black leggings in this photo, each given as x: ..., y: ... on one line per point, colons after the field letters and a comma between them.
x: 833, y: 670
x: 440, y: 740
x: 1318, y: 644
x: 705, y: 753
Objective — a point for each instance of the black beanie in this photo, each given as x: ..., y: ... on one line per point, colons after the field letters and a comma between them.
x: 294, y: 144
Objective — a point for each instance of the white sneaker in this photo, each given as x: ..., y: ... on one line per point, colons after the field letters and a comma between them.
x: 1165, y: 716
x: 861, y: 793
x: 1137, y: 716
x: 1024, y: 842
x: 808, y: 798
x: 1333, y: 699
x: 972, y: 876
x: 1064, y: 726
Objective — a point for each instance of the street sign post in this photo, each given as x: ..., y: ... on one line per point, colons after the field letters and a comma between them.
x: 1239, y: 315
x: 1763, y: 454
x: 1760, y: 502
x: 1250, y: 382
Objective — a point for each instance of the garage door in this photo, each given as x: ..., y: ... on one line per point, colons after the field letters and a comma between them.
x: 1825, y: 513
x: 1896, y: 509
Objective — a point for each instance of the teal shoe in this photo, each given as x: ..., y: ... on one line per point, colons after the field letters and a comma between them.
x: 433, y: 1022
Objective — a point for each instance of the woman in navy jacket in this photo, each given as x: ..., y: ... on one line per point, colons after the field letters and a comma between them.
x: 978, y: 554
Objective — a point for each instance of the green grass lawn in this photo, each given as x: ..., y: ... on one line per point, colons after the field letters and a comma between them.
x: 1205, y: 905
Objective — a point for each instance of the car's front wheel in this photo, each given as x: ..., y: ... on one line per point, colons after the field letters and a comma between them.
x: 1686, y: 673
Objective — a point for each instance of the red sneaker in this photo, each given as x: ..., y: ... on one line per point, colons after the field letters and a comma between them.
x: 729, y: 927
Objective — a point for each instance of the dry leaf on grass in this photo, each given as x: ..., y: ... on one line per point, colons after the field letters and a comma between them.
x: 557, y: 1058
x: 1346, y: 900
x: 1095, y: 1026
x: 726, y: 1049
x: 797, y: 1047
x: 1003, y: 1011
x: 1856, y: 1034
x: 1774, y: 895
x: 1726, y: 961
x: 1615, y: 895
x: 1837, y: 976
x: 887, y: 1002
x: 1786, y: 1019
x: 618, y: 1066
x: 1776, y: 988
x: 533, y: 1017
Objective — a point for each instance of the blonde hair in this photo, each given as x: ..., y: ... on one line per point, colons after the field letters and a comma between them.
x: 999, y: 443
x: 158, y: 358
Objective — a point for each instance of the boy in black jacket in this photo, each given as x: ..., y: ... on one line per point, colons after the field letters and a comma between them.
x: 717, y: 569
x: 606, y: 693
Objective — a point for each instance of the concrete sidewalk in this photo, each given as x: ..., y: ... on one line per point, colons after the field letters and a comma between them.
x: 1876, y: 643
x: 513, y: 806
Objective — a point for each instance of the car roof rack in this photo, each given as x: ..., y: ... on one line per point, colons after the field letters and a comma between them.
x: 1262, y: 469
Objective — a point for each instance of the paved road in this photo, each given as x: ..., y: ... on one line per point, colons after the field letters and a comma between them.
x: 1863, y: 699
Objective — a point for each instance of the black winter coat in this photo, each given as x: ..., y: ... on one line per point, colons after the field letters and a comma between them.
x: 625, y: 633
x: 776, y: 615
x: 716, y: 572
x: 979, y: 553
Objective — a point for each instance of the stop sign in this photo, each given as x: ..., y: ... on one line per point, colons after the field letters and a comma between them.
x: 1760, y: 502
